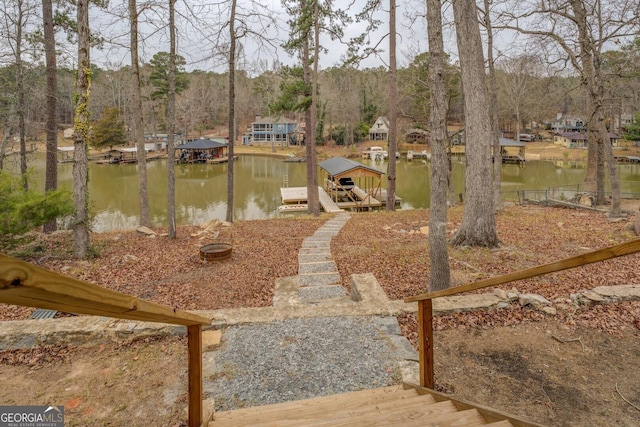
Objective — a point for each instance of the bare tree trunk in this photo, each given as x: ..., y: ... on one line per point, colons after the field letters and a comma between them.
x: 478, y: 227
x: 171, y: 124
x: 313, y: 204
x: 590, y: 59
x: 493, y: 112
x: 6, y: 134
x: 138, y: 122
x: 232, y: 109
x: 81, y: 133
x: 393, y: 110
x: 440, y: 276
x: 51, y: 164
x: 20, y: 101
x: 613, y: 170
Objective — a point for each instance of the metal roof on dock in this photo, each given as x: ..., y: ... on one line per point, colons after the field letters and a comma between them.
x: 337, y: 166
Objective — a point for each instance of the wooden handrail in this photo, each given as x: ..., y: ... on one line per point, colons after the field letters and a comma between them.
x: 25, y: 284
x: 425, y: 309
x: 622, y: 249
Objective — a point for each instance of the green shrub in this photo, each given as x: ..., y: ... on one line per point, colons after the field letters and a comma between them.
x: 24, y: 210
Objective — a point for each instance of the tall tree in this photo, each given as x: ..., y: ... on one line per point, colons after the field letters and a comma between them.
x: 232, y: 109
x: 171, y: 124
x: 440, y: 277
x: 393, y: 109
x: 137, y: 125
x: 301, y: 25
x: 313, y: 197
x: 493, y: 111
x: 51, y: 124
x: 575, y: 31
x: 478, y: 226
x: 81, y: 134
x: 16, y: 15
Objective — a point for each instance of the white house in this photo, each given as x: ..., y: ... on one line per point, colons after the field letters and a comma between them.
x: 380, y: 130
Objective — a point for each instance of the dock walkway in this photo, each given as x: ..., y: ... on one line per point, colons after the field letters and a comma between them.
x: 297, y: 196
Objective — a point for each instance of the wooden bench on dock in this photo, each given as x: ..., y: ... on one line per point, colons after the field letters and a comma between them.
x: 365, y: 199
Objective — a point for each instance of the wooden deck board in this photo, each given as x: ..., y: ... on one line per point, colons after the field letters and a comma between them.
x: 298, y: 196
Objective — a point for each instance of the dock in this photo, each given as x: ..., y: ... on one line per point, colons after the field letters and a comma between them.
x: 513, y: 160
x: 294, y: 199
x: 381, y: 194
x: 627, y: 159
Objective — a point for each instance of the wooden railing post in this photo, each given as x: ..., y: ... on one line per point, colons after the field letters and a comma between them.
x: 194, y: 343
x: 425, y: 342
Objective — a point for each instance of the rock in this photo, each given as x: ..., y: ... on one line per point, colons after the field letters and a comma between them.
x: 386, y: 228
x: 549, y: 310
x: 425, y: 230
x: 503, y: 304
x: 146, y: 230
x: 513, y: 294
x: 619, y: 292
x: 619, y: 218
x: 533, y: 300
x: 593, y: 296
x: 211, y: 340
x: 501, y: 293
x: 586, y: 201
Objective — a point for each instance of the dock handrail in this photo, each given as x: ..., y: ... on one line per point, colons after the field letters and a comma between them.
x: 425, y: 306
x: 22, y: 283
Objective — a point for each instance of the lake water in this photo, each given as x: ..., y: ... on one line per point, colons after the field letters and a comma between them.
x: 201, y: 188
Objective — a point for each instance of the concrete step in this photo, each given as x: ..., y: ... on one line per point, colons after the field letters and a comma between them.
x: 314, y: 257
x: 313, y: 294
x: 318, y: 279
x: 317, y: 267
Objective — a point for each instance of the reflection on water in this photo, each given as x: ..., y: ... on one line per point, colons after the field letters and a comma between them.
x: 201, y: 189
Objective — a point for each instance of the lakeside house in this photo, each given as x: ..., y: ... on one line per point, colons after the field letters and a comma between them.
x: 578, y: 139
x: 380, y: 130
x: 270, y: 130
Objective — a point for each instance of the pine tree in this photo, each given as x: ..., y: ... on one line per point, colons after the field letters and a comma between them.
x: 109, y: 130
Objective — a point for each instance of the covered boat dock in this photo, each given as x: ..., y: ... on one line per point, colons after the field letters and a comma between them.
x: 203, y: 151
x: 347, y: 185
x: 366, y: 192
x: 512, y: 151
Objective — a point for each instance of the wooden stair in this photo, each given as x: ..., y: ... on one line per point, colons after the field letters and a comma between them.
x: 406, y: 405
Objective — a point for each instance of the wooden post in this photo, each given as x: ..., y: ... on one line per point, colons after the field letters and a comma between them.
x: 425, y: 342
x: 194, y: 343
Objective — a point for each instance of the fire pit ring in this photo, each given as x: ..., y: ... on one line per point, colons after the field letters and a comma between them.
x: 215, y: 252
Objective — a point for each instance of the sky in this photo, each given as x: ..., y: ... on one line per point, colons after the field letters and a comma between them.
x: 194, y: 39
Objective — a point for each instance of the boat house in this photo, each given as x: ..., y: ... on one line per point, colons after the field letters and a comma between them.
x: 353, y: 185
x: 512, y: 151
x: 203, y: 151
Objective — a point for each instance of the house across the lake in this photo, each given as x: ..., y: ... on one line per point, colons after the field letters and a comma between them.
x: 380, y: 130
x: 578, y: 139
x: 267, y: 130
x: 567, y: 123
x: 417, y: 136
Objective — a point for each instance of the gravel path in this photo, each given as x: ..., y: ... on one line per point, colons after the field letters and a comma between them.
x: 299, y: 359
